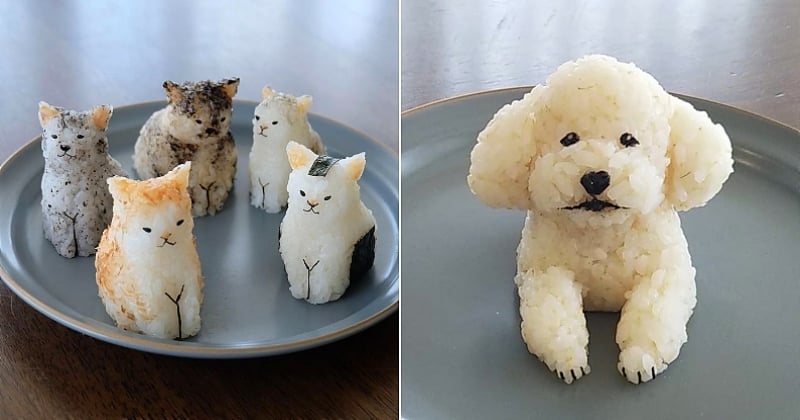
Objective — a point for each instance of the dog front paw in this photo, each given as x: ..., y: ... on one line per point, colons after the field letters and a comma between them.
x: 572, y: 374
x: 639, y: 365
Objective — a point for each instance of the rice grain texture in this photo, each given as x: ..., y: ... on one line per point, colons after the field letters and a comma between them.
x: 602, y: 158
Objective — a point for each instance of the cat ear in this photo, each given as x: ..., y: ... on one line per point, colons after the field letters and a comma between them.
x: 304, y: 103
x: 299, y: 155
x: 47, y: 112
x: 230, y: 86
x: 120, y: 187
x: 174, y: 91
x: 354, y: 166
x: 180, y: 174
x: 267, y: 92
x: 101, y: 115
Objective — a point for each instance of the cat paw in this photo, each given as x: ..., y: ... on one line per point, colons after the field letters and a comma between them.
x: 639, y: 365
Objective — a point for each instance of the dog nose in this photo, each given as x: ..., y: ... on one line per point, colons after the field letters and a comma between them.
x: 64, y: 147
x: 312, y: 203
x: 595, y: 182
x: 210, y: 131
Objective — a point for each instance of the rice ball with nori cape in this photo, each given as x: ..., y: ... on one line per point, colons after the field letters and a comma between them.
x: 327, y: 237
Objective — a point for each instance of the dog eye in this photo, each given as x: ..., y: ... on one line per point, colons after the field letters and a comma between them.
x: 302, y: 193
x: 257, y: 118
x: 570, y: 139
x: 198, y: 121
x: 147, y: 229
x: 180, y: 222
x: 628, y: 140
x: 80, y: 136
x: 327, y: 197
x: 274, y: 123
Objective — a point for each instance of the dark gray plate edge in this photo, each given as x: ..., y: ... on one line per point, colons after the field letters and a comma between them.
x: 171, y: 348
x: 733, y: 109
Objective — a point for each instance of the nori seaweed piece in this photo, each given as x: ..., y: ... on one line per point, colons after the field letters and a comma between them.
x: 363, y: 255
x: 321, y: 166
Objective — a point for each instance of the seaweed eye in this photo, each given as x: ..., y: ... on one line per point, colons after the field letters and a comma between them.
x: 198, y: 121
x: 80, y: 136
x: 54, y: 136
x: 628, y: 140
x: 327, y: 197
x: 302, y: 193
x: 274, y: 123
x: 570, y: 139
x: 180, y: 222
x: 257, y: 118
x: 147, y: 229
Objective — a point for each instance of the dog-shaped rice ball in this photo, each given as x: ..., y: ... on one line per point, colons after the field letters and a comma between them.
x: 602, y: 158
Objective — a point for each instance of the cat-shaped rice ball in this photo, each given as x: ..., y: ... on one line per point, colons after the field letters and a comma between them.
x: 328, y: 235
x: 76, y: 205
x: 194, y: 126
x: 278, y: 119
x: 148, y: 270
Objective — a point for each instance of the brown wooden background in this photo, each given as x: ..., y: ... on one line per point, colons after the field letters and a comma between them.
x: 78, y: 54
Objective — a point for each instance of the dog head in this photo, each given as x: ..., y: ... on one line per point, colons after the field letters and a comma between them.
x: 601, y: 139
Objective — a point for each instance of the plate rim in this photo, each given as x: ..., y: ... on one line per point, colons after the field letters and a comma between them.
x: 173, y: 348
x: 442, y: 101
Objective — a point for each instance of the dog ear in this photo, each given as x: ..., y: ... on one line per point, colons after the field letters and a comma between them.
x: 699, y: 157
x: 502, y: 160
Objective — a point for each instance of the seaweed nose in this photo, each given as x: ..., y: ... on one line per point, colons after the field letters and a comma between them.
x: 595, y: 182
x: 64, y: 147
x: 210, y: 131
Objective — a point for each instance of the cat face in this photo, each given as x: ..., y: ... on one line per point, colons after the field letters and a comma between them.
x: 321, y: 186
x: 278, y: 114
x: 154, y: 214
x: 200, y: 110
x: 73, y: 137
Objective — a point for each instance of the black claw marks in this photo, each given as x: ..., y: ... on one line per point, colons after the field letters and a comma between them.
x: 583, y: 372
x: 574, y: 377
x: 207, y: 189
x: 624, y: 373
x: 653, y: 371
x: 561, y: 375
x: 263, y: 192
x: 74, y: 220
x: 639, y: 375
x: 308, y: 279
x: 178, y: 309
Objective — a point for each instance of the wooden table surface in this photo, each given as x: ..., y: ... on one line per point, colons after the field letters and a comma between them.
x: 79, y: 54
x: 745, y: 53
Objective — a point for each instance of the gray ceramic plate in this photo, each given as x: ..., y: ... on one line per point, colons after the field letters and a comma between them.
x: 462, y: 352
x: 248, y: 310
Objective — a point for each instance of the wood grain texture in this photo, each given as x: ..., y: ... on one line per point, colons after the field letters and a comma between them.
x: 745, y: 53
x: 78, y: 54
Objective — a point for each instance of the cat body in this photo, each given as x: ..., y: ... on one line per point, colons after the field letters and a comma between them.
x: 278, y: 119
x: 328, y: 234
x: 76, y: 204
x: 194, y: 126
x: 148, y: 270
